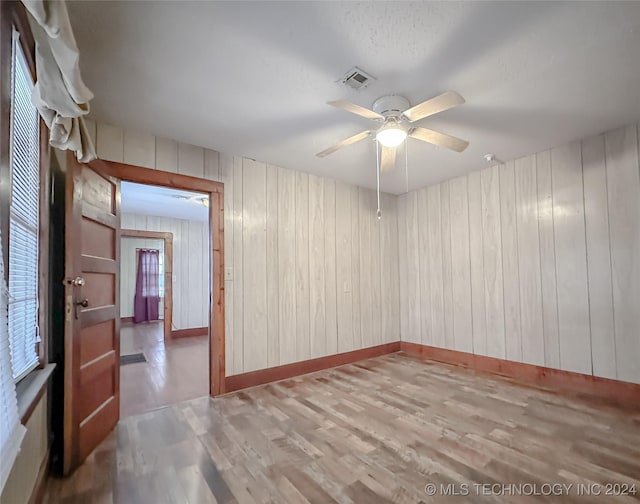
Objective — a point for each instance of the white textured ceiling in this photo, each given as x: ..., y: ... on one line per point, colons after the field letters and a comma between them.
x: 253, y: 78
x: 162, y: 202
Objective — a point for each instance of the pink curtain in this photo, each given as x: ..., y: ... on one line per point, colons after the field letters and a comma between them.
x: 147, y: 299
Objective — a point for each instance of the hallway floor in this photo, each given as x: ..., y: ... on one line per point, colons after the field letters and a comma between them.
x: 176, y: 372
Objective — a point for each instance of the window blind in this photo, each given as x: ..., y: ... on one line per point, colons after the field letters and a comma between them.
x: 23, y: 219
x: 11, y: 430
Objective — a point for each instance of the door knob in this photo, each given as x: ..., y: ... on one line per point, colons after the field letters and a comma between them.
x: 76, y: 282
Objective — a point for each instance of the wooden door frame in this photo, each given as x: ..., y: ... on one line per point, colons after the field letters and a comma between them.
x: 215, y: 191
x: 168, y: 271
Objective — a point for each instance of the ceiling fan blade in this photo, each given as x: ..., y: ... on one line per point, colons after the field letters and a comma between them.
x: 387, y: 159
x: 347, y: 141
x: 356, y: 109
x: 440, y: 139
x: 440, y: 103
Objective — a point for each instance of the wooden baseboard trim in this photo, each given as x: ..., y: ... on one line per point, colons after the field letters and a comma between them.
x: 187, y: 333
x: 620, y: 392
x: 262, y: 376
x: 40, y: 486
x: 129, y: 321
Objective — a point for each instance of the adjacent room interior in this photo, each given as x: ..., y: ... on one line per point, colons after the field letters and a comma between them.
x: 164, y: 276
x: 316, y: 252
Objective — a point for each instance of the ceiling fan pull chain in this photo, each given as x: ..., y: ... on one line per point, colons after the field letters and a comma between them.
x: 379, y: 212
x: 406, y: 163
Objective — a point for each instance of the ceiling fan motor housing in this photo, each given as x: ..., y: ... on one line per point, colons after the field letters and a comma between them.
x: 391, y: 105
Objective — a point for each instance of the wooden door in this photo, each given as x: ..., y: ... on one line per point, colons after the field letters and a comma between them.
x: 92, y: 318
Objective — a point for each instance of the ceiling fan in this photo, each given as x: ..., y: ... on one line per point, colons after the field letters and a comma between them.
x: 395, y: 115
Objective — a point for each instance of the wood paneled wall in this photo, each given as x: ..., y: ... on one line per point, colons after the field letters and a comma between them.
x: 129, y: 269
x: 535, y: 261
x: 310, y: 271
x: 23, y: 478
x: 190, y: 286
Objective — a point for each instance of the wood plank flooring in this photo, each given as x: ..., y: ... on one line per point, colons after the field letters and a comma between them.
x: 173, y: 372
x: 376, y: 431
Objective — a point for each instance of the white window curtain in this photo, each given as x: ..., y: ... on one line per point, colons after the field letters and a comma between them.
x: 23, y: 218
x: 11, y: 430
x: 60, y: 94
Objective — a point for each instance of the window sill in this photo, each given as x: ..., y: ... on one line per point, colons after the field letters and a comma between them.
x: 30, y: 389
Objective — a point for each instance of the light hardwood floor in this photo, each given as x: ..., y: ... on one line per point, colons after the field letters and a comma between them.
x: 372, y: 432
x: 173, y: 372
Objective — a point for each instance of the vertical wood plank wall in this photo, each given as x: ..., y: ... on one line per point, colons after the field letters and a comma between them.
x: 22, y: 479
x: 190, y: 270
x: 309, y: 270
x: 536, y: 260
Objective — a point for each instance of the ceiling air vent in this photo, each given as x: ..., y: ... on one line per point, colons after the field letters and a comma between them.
x: 356, y: 78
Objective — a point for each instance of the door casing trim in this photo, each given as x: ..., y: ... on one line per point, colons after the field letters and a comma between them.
x: 167, y: 238
x: 215, y: 191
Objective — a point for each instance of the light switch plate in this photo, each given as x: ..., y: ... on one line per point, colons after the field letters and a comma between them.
x: 228, y: 274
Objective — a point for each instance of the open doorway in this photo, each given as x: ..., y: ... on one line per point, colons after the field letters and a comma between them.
x: 164, y: 297
x: 86, y: 231
x: 215, y: 300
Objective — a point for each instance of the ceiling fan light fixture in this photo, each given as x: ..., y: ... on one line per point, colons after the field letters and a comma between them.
x: 391, y: 136
x: 393, y: 112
